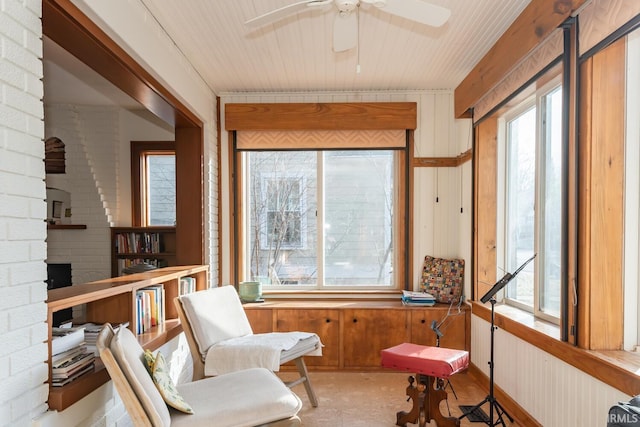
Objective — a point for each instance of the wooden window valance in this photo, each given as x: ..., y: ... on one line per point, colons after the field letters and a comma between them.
x: 321, y: 139
x: 321, y: 116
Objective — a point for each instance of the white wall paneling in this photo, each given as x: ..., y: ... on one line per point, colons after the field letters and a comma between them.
x: 555, y: 393
x: 436, y: 225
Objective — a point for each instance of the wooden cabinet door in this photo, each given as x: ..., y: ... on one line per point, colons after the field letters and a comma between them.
x: 453, y: 328
x: 261, y: 320
x: 368, y: 331
x: 324, y: 322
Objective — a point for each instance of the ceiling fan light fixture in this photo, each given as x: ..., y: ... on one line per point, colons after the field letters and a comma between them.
x: 346, y: 6
x: 345, y: 24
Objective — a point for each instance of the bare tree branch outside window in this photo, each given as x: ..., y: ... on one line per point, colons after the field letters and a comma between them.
x: 354, y: 195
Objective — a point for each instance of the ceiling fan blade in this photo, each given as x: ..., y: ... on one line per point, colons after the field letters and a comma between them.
x: 416, y: 10
x: 345, y: 31
x: 284, y: 11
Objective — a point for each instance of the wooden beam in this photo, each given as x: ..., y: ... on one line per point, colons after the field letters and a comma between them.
x: 66, y: 25
x: 485, y: 206
x: 601, y: 209
x: 321, y: 116
x: 189, y: 195
x: 533, y: 25
x: 442, y: 162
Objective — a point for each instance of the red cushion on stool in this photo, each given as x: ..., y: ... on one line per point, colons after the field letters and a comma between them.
x: 433, y: 361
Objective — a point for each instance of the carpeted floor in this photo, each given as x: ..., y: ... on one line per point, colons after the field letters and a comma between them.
x: 371, y: 399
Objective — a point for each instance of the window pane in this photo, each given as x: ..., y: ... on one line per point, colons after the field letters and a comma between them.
x: 358, y: 217
x: 289, y: 193
x: 161, y: 189
x: 521, y: 187
x: 281, y: 217
x: 551, y: 227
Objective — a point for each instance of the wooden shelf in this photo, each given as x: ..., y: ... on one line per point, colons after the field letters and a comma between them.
x: 134, y: 243
x: 66, y: 227
x: 160, y: 334
x: 61, y: 398
x: 150, y: 255
x: 113, y: 300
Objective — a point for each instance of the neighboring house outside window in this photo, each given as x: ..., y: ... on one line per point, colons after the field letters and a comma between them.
x: 153, y: 182
x: 319, y: 219
x: 283, y: 220
x: 161, y: 189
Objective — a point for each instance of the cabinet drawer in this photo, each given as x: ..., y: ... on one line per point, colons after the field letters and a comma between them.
x: 452, y: 328
x: 324, y: 322
x: 368, y: 331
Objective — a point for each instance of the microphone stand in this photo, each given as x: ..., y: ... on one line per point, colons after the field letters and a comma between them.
x: 493, y: 402
x: 435, y: 327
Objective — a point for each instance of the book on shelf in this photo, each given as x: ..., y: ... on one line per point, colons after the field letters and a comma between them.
x: 59, y: 382
x: 149, y: 308
x: 187, y: 285
x: 138, y: 243
x: 65, y: 356
x: 418, y: 298
x: 72, y: 366
x: 91, y: 331
x: 65, y: 339
x: 70, y: 357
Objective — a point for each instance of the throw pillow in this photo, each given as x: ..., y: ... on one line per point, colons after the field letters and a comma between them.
x: 443, y: 278
x: 165, y: 386
x: 149, y: 360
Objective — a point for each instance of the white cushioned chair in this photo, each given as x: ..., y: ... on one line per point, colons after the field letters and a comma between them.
x: 221, y: 339
x: 253, y: 397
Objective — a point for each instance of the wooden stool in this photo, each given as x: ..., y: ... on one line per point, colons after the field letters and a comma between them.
x: 430, y: 364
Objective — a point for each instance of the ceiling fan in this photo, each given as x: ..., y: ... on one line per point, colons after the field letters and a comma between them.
x: 345, y: 25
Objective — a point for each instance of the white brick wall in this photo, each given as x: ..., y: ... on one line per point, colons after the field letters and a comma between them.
x: 91, y: 137
x: 23, y: 249
x: 23, y: 331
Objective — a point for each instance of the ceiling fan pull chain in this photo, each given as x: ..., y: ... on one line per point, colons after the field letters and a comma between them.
x: 358, y: 39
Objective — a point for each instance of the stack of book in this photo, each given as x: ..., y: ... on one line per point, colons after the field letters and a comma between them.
x: 187, y: 285
x: 417, y: 298
x: 149, y: 308
x: 70, y: 357
x: 91, y: 331
x: 138, y: 242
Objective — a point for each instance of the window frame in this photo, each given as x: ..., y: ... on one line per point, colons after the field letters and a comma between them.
x: 333, y: 116
x: 139, y: 152
x: 631, y: 261
x: 401, y: 201
x: 534, y: 100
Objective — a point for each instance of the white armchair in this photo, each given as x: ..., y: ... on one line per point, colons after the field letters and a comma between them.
x: 221, y: 339
x: 253, y: 397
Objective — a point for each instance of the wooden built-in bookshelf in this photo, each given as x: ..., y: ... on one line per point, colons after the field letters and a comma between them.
x: 114, y: 301
x: 153, y: 245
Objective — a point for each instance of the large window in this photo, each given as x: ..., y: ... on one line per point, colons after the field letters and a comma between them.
x: 532, y: 201
x: 319, y: 219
